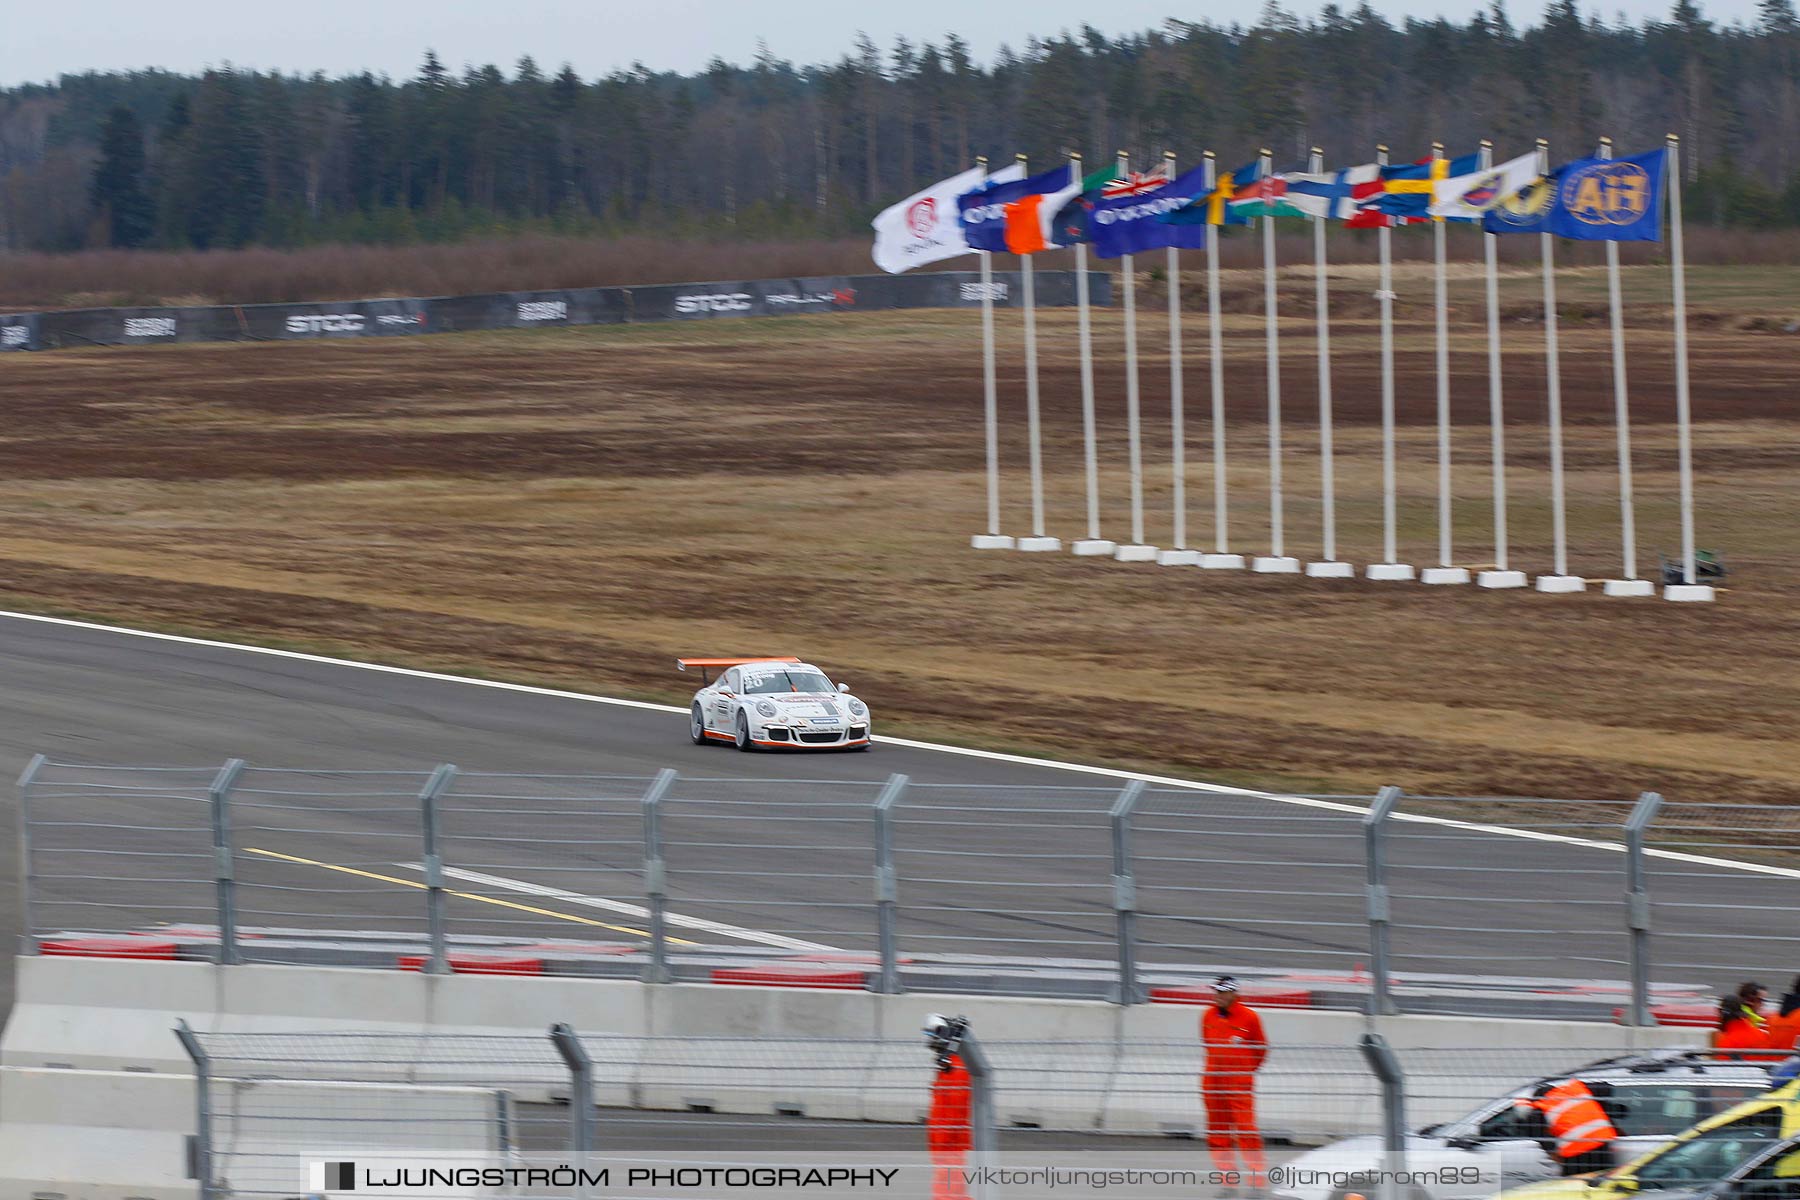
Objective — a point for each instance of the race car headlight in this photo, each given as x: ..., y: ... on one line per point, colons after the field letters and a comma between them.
x: 858, y: 709
x: 765, y: 708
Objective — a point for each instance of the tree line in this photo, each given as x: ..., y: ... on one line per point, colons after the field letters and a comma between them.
x: 233, y: 158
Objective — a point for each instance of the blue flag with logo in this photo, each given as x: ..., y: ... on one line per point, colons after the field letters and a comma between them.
x: 1610, y: 199
x: 1589, y: 200
x: 983, y: 211
x: 1526, y: 210
x: 1128, y: 217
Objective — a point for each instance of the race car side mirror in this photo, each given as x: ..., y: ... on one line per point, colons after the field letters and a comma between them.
x: 843, y: 687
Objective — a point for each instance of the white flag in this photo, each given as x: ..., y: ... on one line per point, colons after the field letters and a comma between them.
x: 924, y: 227
x: 1468, y: 196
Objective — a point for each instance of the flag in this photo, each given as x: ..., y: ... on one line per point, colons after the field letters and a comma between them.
x: 923, y: 228
x: 1610, y: 199
x: 1126, y: 220
x: 1524, y: 211
x: 1070, y: 225
x: 1406, y: 192
x: 1211, y: 207
x: 1330, y: 195
x: 1469, y: 194
x: 1029, y: 218
x: 983, y: 210
x: 1264, y: 197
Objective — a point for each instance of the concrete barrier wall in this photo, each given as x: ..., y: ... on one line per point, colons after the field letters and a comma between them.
x: 95, y: 1135
x: 116, y: 1014
x: 79, y: 1022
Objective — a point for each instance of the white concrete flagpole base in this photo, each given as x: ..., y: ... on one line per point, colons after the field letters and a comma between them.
x: 1561, y: 584
x: 1690, y: 592
x: 1628, y: 587
x: 1178, y: 558
x: 1444, y: 575
x: 1500, y: 579
x: 1092, y: 547
x: 1221, y: 562
x: 1330, y: 570
x: 1268, y: 564
x: 1135, y: 554
x: 1040, y: 544
x: 991, y: 541
x: 1389, y: 572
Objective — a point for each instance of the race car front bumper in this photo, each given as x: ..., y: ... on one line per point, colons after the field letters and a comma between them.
x: 813, y: 737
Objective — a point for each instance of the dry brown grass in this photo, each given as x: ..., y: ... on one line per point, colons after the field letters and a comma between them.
x: 575, y: 507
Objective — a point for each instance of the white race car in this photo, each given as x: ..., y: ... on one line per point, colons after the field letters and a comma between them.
x: 774, y: 703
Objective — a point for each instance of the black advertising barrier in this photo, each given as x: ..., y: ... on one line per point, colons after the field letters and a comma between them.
x: 515, y: 310
x: 528, y: 310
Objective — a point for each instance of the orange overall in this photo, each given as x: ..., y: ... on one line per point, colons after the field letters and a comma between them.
x: 1235, y: 1048
x: 947, y: 1132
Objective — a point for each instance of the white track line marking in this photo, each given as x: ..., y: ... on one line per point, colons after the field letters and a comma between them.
x: 1534, y: 835
x: 630, y: 910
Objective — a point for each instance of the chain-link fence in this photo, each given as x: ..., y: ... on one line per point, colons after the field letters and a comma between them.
x: 271, y: 1104
x: 1589, y: 909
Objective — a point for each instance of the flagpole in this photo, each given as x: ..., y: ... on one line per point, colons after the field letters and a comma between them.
x: 1180, y: 556
x: 1037, y: 541
x: 1501, y: 576
x: 1630, y: 585
x: 1093, y: 544
x: 1690, y: 588
x: 993, y: 539
x: 1561, y: 581
x: 1444, y: 572
x: 1137, y: 551
x: 1221, y: 558
x: 1275, y: 562
x: 1329, y: 567
x: 1388, y: 568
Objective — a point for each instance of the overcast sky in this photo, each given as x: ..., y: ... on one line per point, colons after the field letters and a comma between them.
x: 41, y: 40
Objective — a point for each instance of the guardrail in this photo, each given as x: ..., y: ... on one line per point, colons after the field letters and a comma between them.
x: 1637, y: 911
x: 533, y: 310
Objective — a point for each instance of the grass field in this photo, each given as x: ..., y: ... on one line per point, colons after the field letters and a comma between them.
x: 577, y: 507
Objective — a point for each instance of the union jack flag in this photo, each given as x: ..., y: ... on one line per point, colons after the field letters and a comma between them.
x: 1136, y: 184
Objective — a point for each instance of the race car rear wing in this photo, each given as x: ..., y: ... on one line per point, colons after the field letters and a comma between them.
x: 708, y: 665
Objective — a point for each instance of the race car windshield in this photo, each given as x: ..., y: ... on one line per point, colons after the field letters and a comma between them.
x: 786, y: 681
x: 1712, y: 1155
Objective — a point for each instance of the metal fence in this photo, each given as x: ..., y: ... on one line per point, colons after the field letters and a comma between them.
x: 271, y: 1103
x: 1386, y: 903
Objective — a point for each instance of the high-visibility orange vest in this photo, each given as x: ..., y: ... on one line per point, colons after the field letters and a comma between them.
x: 1577, y: 1122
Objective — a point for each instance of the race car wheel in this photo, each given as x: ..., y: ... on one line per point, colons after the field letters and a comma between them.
x: 697, y: 727
x: 743, y: 733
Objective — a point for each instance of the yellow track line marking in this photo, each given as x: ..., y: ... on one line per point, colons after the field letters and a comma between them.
x: 413, y: 883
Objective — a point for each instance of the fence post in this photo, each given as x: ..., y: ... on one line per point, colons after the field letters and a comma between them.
x: 1637, y: 907
x: 581, y: 1091
x: 1381, y: 1060
x: 983, y: 1124
x: 1125, y: 893
x: 202, y: 1163
x: 655, y: 883
x: 1381, y: 1002
x: 27, y: 932
x: 438, y: 962
x: 887, y: 890
x: 218, y: 799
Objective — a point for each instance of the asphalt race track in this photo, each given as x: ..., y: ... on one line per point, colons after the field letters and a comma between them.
x: 1223, y: 877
